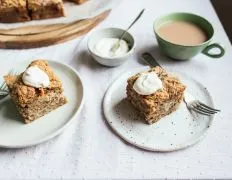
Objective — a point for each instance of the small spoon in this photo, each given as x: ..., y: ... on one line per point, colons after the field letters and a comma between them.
x: 117, y: 44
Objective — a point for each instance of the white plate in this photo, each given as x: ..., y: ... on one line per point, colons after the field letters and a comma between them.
x: 173, y: 132
x: 15, y: 134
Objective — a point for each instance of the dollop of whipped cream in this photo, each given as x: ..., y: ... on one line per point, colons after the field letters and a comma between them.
x: 147, y: 83
x: 35, y: 77
x: 104, y: 47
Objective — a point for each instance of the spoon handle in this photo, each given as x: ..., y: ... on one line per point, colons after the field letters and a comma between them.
x: 150, y: 60
x: 136, y: 19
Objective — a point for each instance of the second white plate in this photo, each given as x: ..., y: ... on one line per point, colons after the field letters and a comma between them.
x: 15, y: 134
x: 173, y: 132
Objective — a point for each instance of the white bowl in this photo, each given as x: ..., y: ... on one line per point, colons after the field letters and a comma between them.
x: 110, y: 33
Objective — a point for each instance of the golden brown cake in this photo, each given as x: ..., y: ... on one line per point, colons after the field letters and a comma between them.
x: 31, y: 102
x: 45, y: 9
x: 25, y: 10
x: 162, y: 102
x: 13, y: 11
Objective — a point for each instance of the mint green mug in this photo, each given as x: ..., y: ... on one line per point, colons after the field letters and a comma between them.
x: 182, y: 52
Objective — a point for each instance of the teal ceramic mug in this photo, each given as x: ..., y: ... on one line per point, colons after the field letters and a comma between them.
x: 182, y: 52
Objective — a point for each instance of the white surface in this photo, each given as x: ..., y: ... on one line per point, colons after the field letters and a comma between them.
x: 178, y: 130
x: 89, y: 149
x: 14, y: 133
x: 73, y: 12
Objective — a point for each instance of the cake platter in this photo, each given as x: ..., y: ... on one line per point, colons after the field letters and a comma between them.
x: 39, y: 36
x: 178, y: 130
x: 15, y: 134
x: 79, y: 20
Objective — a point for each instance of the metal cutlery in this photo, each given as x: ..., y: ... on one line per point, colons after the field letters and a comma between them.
x: 117, y: 44
x: 3, y: 87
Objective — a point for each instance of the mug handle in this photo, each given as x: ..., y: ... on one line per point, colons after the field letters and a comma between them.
x: 212, y: 46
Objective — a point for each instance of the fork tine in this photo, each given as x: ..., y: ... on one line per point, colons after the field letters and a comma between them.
x: 2, y: 85
x: 204, y: 110
x: 200, y: 112
x: 208, y: 107
x: 11, y: 72
x: 3, y: 93
x: 16, y: 73
x: 4, y: 88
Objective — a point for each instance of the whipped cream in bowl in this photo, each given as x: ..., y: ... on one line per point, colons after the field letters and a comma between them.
x: 35, y: 77
x: 104, y: 47
x: 147, y: 83
x: 100, y: 45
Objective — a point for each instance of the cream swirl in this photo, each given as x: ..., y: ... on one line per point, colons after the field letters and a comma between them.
x: 35, y: 77
x: 147, y: 83
x: 104, y: 47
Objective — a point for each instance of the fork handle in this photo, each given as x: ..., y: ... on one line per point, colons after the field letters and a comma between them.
x: 150, y: 60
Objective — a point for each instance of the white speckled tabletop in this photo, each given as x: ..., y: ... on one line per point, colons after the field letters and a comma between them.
x: 89, y: 148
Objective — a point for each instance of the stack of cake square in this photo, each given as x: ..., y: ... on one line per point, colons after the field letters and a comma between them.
x: 25, y: 10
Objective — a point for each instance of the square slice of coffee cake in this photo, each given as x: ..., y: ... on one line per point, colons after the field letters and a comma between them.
x: 34, y: 102
x: 162, y: 102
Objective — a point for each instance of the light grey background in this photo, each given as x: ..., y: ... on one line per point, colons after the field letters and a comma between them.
x: 89, y: 149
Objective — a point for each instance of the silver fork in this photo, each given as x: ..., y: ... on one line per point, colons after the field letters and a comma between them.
x: 198, y: 106
x: 191, y: 103
x: 3, y: 87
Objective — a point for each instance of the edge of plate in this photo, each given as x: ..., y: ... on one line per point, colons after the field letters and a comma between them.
x: 183, y: 146
x: 60, y: 130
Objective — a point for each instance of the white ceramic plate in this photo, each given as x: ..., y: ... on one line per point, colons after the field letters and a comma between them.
x: 15, y: 134
x: 173, y: 132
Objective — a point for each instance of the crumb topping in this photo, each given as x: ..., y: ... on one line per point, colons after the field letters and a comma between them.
x: 38, y: 4
x: 24, y: 94
x: 12, y: 3
x: 171, y: 86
